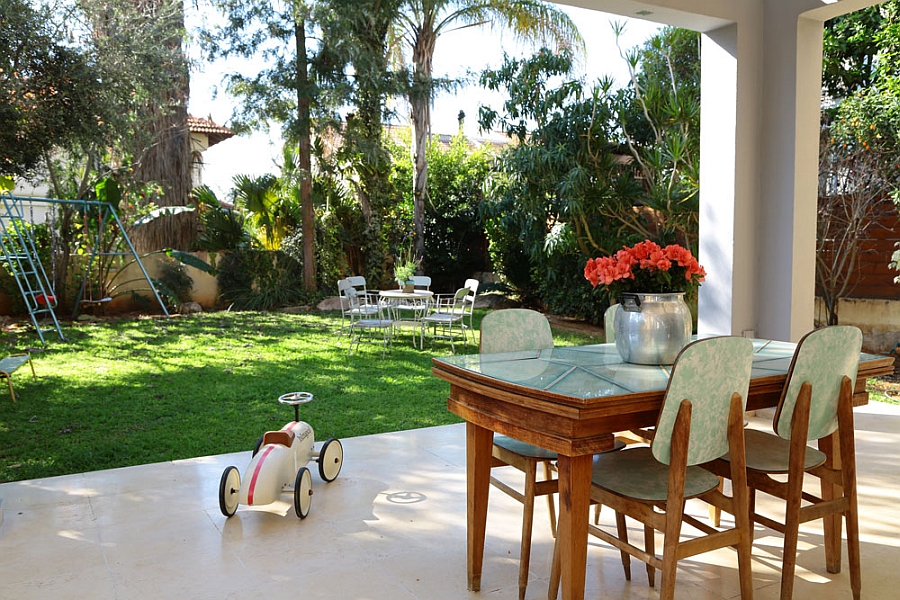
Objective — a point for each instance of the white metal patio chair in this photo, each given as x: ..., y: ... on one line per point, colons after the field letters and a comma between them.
x: 446, y: 317
x: 359, y: 310
x: 373, y: 329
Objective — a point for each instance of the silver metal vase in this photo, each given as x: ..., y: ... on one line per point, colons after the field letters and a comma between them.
x: 651, y: 329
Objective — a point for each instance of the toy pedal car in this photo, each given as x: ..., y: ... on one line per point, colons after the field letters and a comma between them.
x: 279, y: 460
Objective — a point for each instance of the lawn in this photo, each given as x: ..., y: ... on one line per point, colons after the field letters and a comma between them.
x: 131, y: 391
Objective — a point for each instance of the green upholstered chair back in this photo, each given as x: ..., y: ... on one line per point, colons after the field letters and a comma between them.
x: 609, y: 323
x: 706, y: 373
x: 514, y: 329
x: 823, y: 358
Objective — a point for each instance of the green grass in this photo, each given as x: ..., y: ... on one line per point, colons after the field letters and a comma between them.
x: 134, y: 391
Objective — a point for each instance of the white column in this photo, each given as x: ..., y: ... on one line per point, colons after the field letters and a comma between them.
x: 718, y: 161
x: 792, y: 63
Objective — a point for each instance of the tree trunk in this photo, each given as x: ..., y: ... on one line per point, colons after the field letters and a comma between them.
x: 420, y: 118
x: 308, y: 217
x: 168, y: 162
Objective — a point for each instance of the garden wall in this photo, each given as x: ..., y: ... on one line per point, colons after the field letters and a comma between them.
x: 878, y: 319
x: 205, y: 290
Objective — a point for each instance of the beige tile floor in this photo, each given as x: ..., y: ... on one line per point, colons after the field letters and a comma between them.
x: 392, y: 525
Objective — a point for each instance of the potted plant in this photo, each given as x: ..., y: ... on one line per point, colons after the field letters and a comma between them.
x: 649, y: 281
x: 404, y: 268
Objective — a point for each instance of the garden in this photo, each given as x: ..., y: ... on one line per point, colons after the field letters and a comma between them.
x: 588, y: 169
x: 140, y: 389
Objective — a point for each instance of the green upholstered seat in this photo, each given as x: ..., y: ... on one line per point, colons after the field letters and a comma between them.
x: 523, y: 448
x: 636, y: 474
x: 770, y: 453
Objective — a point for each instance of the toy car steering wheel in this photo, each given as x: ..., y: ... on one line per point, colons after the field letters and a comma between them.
x: 295, y: 399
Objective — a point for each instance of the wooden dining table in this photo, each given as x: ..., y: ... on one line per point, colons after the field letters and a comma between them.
x: 572, y: 400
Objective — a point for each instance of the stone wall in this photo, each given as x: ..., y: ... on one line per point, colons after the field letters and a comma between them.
x: 878, y: 319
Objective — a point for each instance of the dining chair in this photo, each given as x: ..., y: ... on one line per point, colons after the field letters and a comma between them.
x: 468, y: 308
x: 636, y: 435
x: 366, y: 298
x: 512, y: 330
x: 701, y: 419
x: 609, y: 323
x: 369, y: 328
x: 816, y: 404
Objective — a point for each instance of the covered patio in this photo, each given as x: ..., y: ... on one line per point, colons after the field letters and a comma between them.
x: 392, y: 525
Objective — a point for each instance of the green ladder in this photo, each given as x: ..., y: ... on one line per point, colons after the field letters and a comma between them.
x: 20, y: 254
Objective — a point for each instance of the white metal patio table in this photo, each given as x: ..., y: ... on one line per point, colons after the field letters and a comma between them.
x: 408, y: 308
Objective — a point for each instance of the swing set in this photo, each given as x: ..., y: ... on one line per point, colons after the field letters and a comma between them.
x: 19, y: 252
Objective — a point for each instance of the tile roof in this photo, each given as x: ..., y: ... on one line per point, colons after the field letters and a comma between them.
x: 215, y: 133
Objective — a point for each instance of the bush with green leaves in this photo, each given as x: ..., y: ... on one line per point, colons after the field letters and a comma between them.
x: 251, y: 279
x: 173, y: 283
x: 592, y: 169
x: 455, y: 243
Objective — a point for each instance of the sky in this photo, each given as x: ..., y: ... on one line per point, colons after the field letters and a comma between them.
x: 456, y: 54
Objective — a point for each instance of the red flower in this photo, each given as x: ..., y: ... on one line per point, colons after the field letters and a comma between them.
x: 646, y: 267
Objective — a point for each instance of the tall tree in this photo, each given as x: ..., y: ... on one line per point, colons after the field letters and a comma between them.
x: 48, y: 91
x: 282, y: 92
x: 90, y: 69
x: 355, y: 60
x: 422, y: 22
x: 161, y: 154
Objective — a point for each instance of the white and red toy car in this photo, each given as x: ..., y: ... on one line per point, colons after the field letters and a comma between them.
x: 279, y: 461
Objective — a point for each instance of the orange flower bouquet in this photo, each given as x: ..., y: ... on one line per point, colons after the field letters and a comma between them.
x: 646, y: 268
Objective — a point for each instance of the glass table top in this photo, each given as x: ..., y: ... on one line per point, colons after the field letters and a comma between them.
x: 598, y: 370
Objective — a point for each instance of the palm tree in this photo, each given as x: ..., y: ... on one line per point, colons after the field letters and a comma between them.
x: 421, y: 23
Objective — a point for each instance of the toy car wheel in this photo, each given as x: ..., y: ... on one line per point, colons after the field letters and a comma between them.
x: 302, y: 492
x: 229, y: 486
x: 331, y: 458
x: 256, y: 446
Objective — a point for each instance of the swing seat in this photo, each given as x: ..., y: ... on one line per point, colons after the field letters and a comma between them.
x: 43, y: 300
x: 10, y: 364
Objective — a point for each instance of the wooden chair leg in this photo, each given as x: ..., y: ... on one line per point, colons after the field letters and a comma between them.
x: 848, y: 477
x: 791, y: 532
x: 675, y: 500
x: 799, y: 429
x: 715, y: 513
x: 743, y: 520
x: 622, y: 531
x: 551, y: 503
x: 527, y: 522
x: 553, y: 589
x: 12, y: 394
x: 670, y: 552
x: 650, y: 548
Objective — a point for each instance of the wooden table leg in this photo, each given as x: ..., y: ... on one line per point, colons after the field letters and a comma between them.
x: 574, y: 506
x: 832, y: 524
x: 478, y: 477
